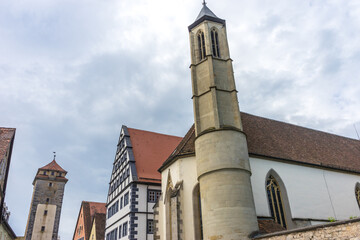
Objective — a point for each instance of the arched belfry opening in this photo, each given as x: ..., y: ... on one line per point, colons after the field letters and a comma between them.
x: 278, y: 201
x: 201, y: 45
x: 215, y: 42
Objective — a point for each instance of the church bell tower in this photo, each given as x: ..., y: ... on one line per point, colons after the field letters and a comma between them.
x: 222, y: 159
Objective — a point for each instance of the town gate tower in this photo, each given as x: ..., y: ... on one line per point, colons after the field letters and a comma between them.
x: 44, y: 216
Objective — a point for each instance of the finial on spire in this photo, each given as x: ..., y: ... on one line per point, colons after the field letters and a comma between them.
x: 204, y: 3
x: 54, y: 155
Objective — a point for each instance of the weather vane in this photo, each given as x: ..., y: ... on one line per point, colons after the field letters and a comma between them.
x: 54, y: 155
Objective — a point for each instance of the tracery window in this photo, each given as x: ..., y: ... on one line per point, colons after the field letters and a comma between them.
x: 275, y: 201
x: 201, y: 45
x: 215, y: 43
x: 357, y: 193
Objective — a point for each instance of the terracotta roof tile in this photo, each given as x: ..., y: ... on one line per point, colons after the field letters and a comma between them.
x: 100, y: 221
x: 53, y: 165
x: 150, y: 151
x: 274, y: 139
x: 89, y: 211
x: 6, y: 136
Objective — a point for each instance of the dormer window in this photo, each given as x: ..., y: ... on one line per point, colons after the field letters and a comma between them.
x: 201, y: 45
x: 215, y: 43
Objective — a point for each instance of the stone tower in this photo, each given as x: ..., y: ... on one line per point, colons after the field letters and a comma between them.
x: 223, y: 170
x: 44, y: 216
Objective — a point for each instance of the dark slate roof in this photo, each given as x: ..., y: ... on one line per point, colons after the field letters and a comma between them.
x: 205, y: 11
x: 289, y: 143
x: 206, y: 14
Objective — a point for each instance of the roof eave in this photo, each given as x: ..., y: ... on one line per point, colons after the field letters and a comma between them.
x: 204, y: 18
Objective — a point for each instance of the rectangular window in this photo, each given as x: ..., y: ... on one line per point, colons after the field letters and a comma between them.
x: 153, y: 195
x: 121, y: 202
x: 50, y: 184
x: 112, y: 235
x: 119, y: 231
x: 52, y: 173
x: 113, y: 209
x: 125, y: 229
x: 150, y: 226
x: 42, y: 228
x: 126, y: 199
x: 47, y: 200
x: 45, y: 212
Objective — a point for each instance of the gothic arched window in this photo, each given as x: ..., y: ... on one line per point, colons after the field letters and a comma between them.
x: 357, y: 193
x: 275, y: 201
x: 201, y: 45
x: 215, y: 43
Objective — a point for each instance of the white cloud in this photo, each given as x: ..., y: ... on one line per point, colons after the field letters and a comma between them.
x: 72, y: 72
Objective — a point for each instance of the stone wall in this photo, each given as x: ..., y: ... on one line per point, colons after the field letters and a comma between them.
x: 42, y: 191
x: 349, y: 229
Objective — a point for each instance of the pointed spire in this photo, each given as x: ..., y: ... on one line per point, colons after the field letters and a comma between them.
x: 53, y: 165
x: 206, y: 14
x: 205, y: 11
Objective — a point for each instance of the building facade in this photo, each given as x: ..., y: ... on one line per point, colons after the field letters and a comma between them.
x: 235, y: 175
x: 135, y: 183
x: 90, y: 223
x: 7, y: 137
x: 45, y: 210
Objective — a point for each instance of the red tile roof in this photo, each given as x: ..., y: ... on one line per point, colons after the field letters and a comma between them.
x: 6, y: 136
x: 150, y: 151
x: 90, y: 209
x: 289, y: 143
x: 100, y: 221
x: 53, y: 165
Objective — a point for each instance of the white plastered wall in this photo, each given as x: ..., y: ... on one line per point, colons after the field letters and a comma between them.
x: 309, y: 191
x: 313, y: 193
x: 42, y: 220
x: 183, y: 169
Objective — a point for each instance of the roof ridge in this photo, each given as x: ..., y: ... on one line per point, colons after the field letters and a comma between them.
x: 140, y: 130
x: 308, y: 128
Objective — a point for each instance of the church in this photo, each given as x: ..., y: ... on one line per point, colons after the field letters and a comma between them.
x: 235, y: 175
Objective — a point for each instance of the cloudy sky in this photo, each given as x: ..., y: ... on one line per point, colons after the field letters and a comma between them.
x: 72, y: 72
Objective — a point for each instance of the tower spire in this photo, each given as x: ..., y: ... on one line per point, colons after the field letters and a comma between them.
x: 54, y: 155
x: 204, y: 3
